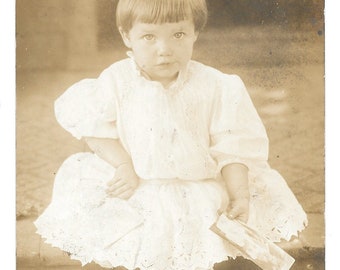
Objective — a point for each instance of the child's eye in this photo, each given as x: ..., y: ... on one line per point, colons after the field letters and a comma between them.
x: 179, y: 35
x: 149, y: 37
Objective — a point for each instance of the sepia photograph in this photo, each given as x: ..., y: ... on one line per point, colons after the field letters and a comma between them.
x: 170, y: 134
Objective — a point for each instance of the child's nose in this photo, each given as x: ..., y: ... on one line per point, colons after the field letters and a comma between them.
x: 164, y: 48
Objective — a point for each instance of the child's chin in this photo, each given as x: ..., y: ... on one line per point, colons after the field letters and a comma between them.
x: 165, y: 75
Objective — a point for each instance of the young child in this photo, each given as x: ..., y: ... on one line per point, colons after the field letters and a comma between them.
x: 175, y: 143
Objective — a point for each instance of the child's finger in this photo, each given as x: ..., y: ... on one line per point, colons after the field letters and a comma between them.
x: 238, y: 213
x: 111, y: 182
x: 243, y: 218
x: 116, y: 178
x: 232, y: 215
x: 116, y: 191
x: 116, y: 183
x: 234, y: 212
x: 126, y: 195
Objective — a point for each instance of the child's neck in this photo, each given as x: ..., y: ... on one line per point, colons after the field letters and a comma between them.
x: 166, y: 82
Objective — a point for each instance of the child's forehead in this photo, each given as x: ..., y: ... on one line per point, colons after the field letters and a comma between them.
x: 176, y: 26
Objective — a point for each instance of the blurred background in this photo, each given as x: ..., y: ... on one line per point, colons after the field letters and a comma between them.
x: 276, y: 46
x: 54, y: 33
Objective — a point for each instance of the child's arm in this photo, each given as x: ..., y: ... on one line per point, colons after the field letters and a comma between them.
x: 235, y: 176
x: 109, y: 149
x: 125, y: 180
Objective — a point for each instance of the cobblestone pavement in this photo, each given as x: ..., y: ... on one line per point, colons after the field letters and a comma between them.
x: 289, y: 98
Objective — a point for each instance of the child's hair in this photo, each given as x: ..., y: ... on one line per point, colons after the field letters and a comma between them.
x: 161, y: 11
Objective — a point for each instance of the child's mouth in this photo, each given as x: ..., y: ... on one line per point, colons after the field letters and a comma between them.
x: 164, y: 64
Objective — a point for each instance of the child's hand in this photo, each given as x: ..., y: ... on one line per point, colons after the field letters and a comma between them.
x: 239, y: 209
x: 124, y: 183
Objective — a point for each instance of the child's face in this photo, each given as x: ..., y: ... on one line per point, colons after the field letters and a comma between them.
x: 161, y: 50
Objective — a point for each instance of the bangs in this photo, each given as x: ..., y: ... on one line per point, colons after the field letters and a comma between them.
x: 161, y: 11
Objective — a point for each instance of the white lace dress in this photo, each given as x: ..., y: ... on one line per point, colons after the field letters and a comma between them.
x: 179, y: 139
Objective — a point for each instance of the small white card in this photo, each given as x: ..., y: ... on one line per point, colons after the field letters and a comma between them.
x: 252, y: 245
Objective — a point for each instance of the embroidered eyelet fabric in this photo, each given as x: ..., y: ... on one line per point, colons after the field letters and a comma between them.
x: 179, y: 138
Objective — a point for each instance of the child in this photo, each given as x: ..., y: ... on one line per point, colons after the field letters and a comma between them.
x: 175, y: 143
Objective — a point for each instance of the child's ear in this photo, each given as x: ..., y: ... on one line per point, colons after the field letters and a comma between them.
x: 125, y: 37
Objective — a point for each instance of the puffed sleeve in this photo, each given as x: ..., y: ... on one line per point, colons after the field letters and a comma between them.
x: 237, y: 134
x: 88, y: 108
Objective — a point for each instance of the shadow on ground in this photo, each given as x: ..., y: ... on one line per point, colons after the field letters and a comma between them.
x: 316, y: 263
